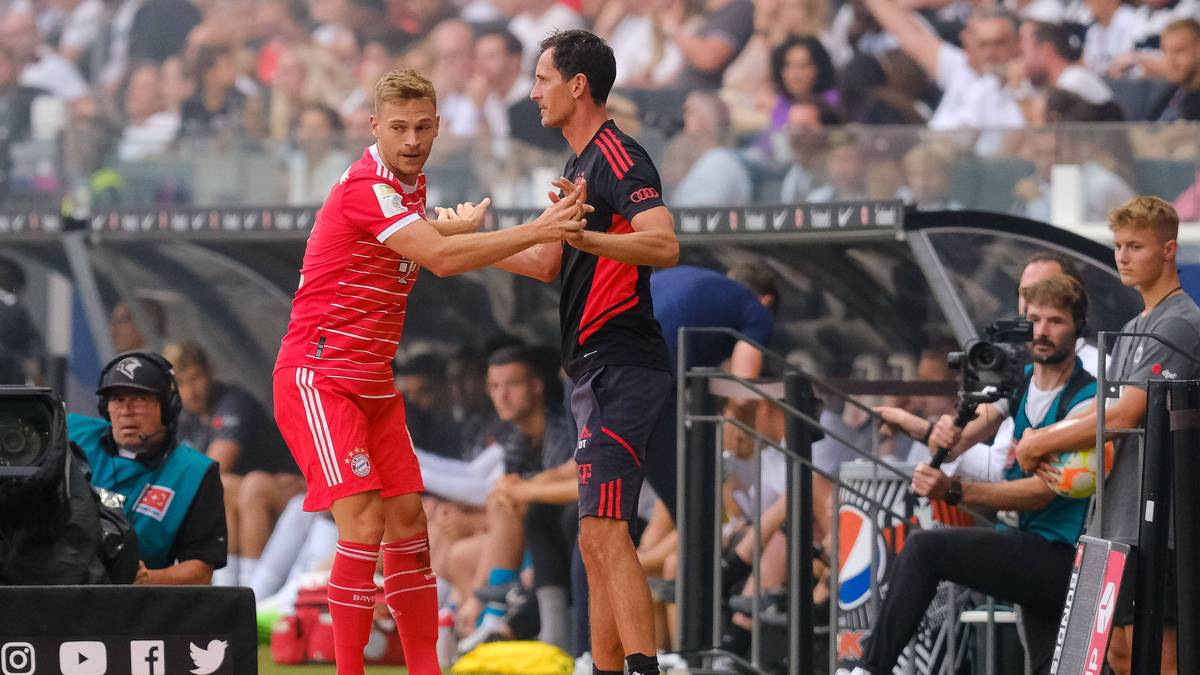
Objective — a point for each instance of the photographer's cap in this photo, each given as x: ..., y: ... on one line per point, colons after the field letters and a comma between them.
x: 135, y: 372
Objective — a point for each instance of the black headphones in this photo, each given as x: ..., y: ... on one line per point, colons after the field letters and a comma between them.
x: 169, y: 401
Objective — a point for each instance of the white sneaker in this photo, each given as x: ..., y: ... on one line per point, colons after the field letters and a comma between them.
x: 583, y: 664
x: 487, y: 629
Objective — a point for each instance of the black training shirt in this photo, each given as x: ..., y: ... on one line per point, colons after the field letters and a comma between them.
x: 606, y: 312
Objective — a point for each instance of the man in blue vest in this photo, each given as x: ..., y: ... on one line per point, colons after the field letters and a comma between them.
x: 1027, y: 562
x: 173, y: 494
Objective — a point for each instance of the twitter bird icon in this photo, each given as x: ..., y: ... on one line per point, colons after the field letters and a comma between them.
x: 207, y: 660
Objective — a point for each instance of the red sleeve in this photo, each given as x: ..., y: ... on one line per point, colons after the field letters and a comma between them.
x: 377, y: 207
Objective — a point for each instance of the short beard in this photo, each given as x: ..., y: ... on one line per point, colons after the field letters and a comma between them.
x: 1053, y: 359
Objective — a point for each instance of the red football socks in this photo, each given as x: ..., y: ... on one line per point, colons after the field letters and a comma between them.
x: 352, y: 603
x: 411, y: 591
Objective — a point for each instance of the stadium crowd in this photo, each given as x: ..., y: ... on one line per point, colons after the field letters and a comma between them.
x: 742, y: 100
x: 744, y: 96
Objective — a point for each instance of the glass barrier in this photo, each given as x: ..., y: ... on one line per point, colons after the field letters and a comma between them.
x: 1067, y: 175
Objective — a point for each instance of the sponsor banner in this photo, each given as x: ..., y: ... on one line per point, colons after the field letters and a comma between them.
x: 781, y: 218
x: 1091, y: 604
x: 869, y: 540
x: 98, y: 655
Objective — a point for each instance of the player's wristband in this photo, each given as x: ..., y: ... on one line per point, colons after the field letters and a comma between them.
x: 928, y: 433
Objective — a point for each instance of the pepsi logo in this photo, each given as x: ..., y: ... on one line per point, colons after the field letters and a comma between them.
x: 643, y: 194
x: 854, y: 557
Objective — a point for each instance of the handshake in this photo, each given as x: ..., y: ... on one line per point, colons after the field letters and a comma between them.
x: 563, y: 220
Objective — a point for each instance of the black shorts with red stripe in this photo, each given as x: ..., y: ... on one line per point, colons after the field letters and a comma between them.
x: 623, y: 416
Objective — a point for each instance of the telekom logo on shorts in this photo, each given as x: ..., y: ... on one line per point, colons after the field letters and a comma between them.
x: 585, y: 473
x: 643, y: 194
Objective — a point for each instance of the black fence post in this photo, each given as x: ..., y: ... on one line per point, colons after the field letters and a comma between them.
x: 1152, y: 538
x: 798, y: 393
x: 696, y: 474
x: 1185, y: 430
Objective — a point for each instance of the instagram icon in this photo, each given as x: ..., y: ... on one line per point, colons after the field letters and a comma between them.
x: 17, y: 658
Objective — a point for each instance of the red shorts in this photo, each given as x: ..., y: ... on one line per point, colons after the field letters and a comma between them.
x: 344, y: 444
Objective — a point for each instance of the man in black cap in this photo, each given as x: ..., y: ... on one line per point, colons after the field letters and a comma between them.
x: 172, y: 492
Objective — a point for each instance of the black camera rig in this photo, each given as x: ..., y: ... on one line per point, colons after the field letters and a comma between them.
x: 989, y: 369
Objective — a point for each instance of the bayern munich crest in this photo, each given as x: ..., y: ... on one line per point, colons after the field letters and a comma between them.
x: 359, y: 463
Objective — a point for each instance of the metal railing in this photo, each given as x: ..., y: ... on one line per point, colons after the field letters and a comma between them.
x: 700, y: 605
x: 1163, y: 400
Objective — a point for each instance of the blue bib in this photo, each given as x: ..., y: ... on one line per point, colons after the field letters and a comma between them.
x: 1063, y: 518
x: 156, y: 499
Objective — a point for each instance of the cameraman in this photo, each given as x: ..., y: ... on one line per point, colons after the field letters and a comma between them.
x: 173, y: 494
x: 1029, y: 564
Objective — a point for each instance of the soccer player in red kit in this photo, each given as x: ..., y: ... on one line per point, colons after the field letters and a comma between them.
x: 612, y: 346
x: 335, y: 401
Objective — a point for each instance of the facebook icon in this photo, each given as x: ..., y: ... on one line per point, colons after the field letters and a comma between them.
x: 146, y: 657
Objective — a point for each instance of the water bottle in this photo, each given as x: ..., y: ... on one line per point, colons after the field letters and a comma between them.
x: 447, y: 642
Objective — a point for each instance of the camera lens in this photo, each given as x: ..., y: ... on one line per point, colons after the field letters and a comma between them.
x: 12, y: 442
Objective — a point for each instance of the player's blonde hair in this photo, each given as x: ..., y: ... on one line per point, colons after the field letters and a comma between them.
x: 1146, y: 213
x: 404, y: 85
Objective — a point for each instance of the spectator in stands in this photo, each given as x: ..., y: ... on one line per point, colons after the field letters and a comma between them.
x: 227, y: 424
x: 160, y: 29
x: 288, y: 95
x: 846, y: 178
x: 149, y: 126
x: 217, y: 106
x: 1057, y: 388
x: 418, y: 17
x: 530, y: 502
x: 315, y: 163
x: 16, y: 100
x: 707, y: 50
x: 178, y: 85
x: 800, y: 69
x: 452, y: 42
x: 887, y: 89
x: 1111, y: 35
x: 1101, y: 158
x: 971, y: 78
x: 20, y: 343
x: 114, y: 65
x: 1050, y: 56
x: 81, y: 29
x: 1181, y: 55
x: 801, y: 144
x: 929, y: 177
x: 128, y: 330
x: 499, y: 83
x: 775, y: 22
x: 646, y: 58
x: 172, y: 492
x: 718, y: 174
x: 41, y: 67
x: 537, y: 19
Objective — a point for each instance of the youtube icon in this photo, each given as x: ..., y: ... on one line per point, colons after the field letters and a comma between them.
x: 82, y: 658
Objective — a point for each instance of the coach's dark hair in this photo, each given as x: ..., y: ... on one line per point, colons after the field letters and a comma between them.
x: 1065, y: 263
x: 759, y: 280
x: 580, y: 52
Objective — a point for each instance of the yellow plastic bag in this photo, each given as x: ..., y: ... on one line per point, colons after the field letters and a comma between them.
x: 515, y: 658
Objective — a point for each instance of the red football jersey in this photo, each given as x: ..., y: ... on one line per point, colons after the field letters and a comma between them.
x: 348, y: 312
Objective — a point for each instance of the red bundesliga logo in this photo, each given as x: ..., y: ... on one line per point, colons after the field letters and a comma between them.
x: 643, y: 194
x: 155, y: 501
x: 585, y: 473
